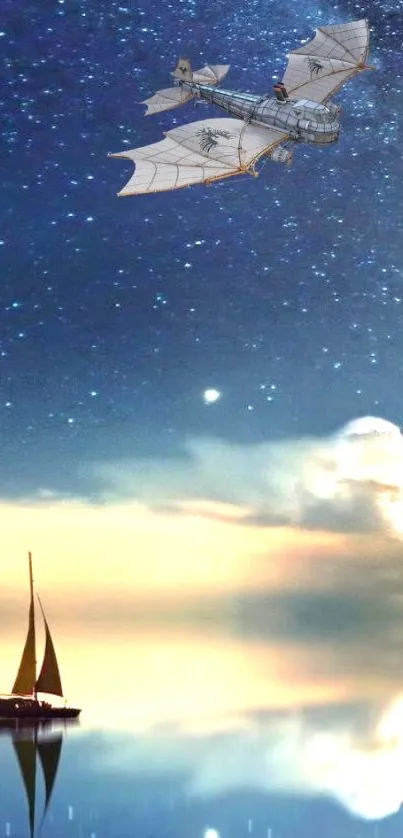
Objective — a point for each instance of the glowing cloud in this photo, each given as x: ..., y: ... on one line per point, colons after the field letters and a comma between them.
x: 350, y: 481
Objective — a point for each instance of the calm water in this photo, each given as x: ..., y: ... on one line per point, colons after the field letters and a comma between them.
x: 269, y: 774
x: 274, y: 715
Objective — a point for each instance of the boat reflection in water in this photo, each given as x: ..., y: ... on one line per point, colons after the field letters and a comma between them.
x: 33, y: 742
x: 23, y: 702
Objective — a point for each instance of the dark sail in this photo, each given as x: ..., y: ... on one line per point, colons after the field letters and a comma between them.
x: 25, y: 750
x: 24, y: 683
x: 49, y: 754
x: 49, y: 680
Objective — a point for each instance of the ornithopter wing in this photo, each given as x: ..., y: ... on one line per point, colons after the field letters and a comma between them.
x: 199, y: 152
x: 316, y: 70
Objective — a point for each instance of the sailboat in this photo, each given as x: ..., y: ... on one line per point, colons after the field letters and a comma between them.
x: 23, y: 702
x: 27, y: 750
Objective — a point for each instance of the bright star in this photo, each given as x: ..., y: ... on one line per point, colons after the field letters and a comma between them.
x: 211, y: 395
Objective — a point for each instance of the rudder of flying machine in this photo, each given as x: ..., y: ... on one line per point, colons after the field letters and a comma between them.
x: 172, y: 97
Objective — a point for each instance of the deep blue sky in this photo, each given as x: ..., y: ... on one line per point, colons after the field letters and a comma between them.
x: 283, y: 292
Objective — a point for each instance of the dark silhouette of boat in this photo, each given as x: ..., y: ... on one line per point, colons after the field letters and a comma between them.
x: 28, y: 746
x: 23, y: 703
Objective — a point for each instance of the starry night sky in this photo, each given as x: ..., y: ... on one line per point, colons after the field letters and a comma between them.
x: 283, y: 292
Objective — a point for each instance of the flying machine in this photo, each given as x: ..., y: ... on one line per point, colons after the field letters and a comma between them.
x: 264, y: 125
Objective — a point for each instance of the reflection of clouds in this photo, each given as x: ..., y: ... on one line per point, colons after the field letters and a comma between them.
x: 367, y: 776
x: 302, y: 754
x: 349, y: 482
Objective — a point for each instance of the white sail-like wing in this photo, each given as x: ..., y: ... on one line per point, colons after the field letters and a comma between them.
x: 165, y: 100
x: 316, y: 70
x: 211, y: 74
x: 171, y: 97
x: 199, y: 152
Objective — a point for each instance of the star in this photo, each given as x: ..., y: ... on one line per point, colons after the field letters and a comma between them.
x: 210, y: 396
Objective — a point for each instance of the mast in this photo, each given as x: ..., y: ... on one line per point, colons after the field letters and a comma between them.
x: 31, y: 587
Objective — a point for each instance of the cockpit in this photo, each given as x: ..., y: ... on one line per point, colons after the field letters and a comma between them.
x: 317, y: 123
x: 320, y: 115
x: 303, y: 119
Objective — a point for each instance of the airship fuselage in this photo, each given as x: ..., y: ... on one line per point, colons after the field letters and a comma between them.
x: 306, y: 121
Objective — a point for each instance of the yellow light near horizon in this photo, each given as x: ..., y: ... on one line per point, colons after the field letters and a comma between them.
x: 136, y: 680
x: 84, y: 549
x: 106, y: 574
x: 94, y: 563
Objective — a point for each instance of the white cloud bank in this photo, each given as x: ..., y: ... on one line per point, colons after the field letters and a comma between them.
x: 351, y: 481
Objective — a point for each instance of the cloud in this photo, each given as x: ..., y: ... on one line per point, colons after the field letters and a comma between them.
x: 351, y: 481
x: 331, y: 752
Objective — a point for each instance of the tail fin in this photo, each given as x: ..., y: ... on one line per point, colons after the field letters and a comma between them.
x: 164, y: 100
x: 172, y: 97
x: 183, y: 70
x: 211, y: 74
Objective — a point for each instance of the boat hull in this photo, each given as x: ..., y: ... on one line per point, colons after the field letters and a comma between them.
x: 27, y: 709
